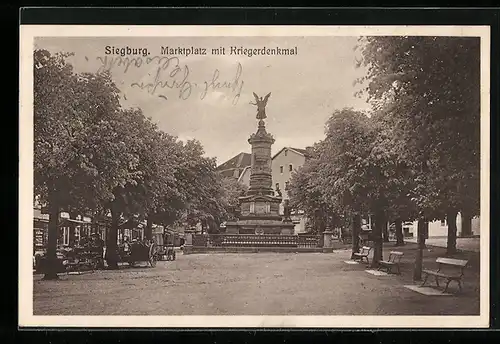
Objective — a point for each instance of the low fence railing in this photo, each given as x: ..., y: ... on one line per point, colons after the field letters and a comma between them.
x: 255, y: 240
x: 308, y: 241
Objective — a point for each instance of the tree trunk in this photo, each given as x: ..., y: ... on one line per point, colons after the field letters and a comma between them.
x: 51, y: 261
x: 451, y: 218
x: 321, y: 229
x: 112, y: 240
x: 399, y: 232
x: 356, y: 229
x: 214, y: 226
x: 466, y: 224
x: 378, y: 228
x: 319, y: 225
x: 422, y: 228
x: 385, y: 232
x: 148, y: 233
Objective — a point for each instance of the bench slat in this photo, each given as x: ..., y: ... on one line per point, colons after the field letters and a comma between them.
x: 451, y: 261
x: 384, y: 262
x: 439, y: 274
x: 396, y: 253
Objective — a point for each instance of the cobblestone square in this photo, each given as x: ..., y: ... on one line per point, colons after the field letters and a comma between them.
x: 255, y: 284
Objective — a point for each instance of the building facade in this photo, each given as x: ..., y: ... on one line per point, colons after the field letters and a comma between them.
x: 82, y: 228
x: 284, y: 163
x: 439, y: 228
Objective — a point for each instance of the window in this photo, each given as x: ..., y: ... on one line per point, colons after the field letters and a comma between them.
x: 286, y: 185
x: 281, y: 169
x: 65, y: 241
x: 77, y: 234
x: 277, y: 186
x: 290, y: 168
x: 286, y: 152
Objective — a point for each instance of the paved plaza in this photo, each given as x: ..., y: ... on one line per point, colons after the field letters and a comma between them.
x: 256, y: 284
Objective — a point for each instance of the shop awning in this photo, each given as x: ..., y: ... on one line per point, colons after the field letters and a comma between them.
x: 130, y: 224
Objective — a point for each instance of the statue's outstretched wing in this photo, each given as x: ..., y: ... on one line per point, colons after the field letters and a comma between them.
x: 256, y: 97
x: 267, y: 97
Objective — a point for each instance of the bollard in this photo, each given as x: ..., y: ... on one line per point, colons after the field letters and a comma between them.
x: 327, y: 241
x: 188, y: 244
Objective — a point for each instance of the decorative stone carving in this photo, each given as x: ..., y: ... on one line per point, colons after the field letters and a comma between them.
x: 260, y: 206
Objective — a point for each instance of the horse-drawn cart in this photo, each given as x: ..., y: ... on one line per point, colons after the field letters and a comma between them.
x: 82, y: 259
x: 166, y: 252
x: 135, y: 252
x: 166, y: 245
x: 76, y: 259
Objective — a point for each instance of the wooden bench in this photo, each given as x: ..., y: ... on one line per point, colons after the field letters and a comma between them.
x: 393, y: 261
x: 449, y: 269
x: 363, y: 254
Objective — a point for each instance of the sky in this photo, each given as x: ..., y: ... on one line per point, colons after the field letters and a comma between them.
x: 305, y: 88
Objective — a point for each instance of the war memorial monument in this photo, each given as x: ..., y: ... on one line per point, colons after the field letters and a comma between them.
x: 259, y: 208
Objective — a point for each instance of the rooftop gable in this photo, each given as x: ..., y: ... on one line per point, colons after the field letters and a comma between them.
x: 241, y: 160
x: 299, y: 151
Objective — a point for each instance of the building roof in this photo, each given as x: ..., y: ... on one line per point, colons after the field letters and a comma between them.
x: 238, y: 162
x: 300, y: 150
x: 296, y: 150
x: 37, y: 214
x: 241, y: 160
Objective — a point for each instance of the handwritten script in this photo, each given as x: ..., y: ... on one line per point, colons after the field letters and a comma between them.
x: 170, y: 76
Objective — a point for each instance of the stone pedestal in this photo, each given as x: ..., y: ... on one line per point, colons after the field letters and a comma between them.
x: 259, y: 208
x: 259, y: 225
x: 328, y: 241
x: 188, y: 243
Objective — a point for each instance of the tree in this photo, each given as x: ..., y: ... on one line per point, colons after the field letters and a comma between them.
x: 304, y: 189
x: 356, y: 172
x: 200, y: 192
x: 306, y: 194
x: 143, y: 171
x: 232, y: 190
x: 52, y: 80
x: 351, y: 175
x: 164, y: 198
x: 92, y: 155
x: 67, y: 107
x: 428, y: 90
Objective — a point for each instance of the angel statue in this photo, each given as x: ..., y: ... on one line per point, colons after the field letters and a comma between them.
x: 261, y: 105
